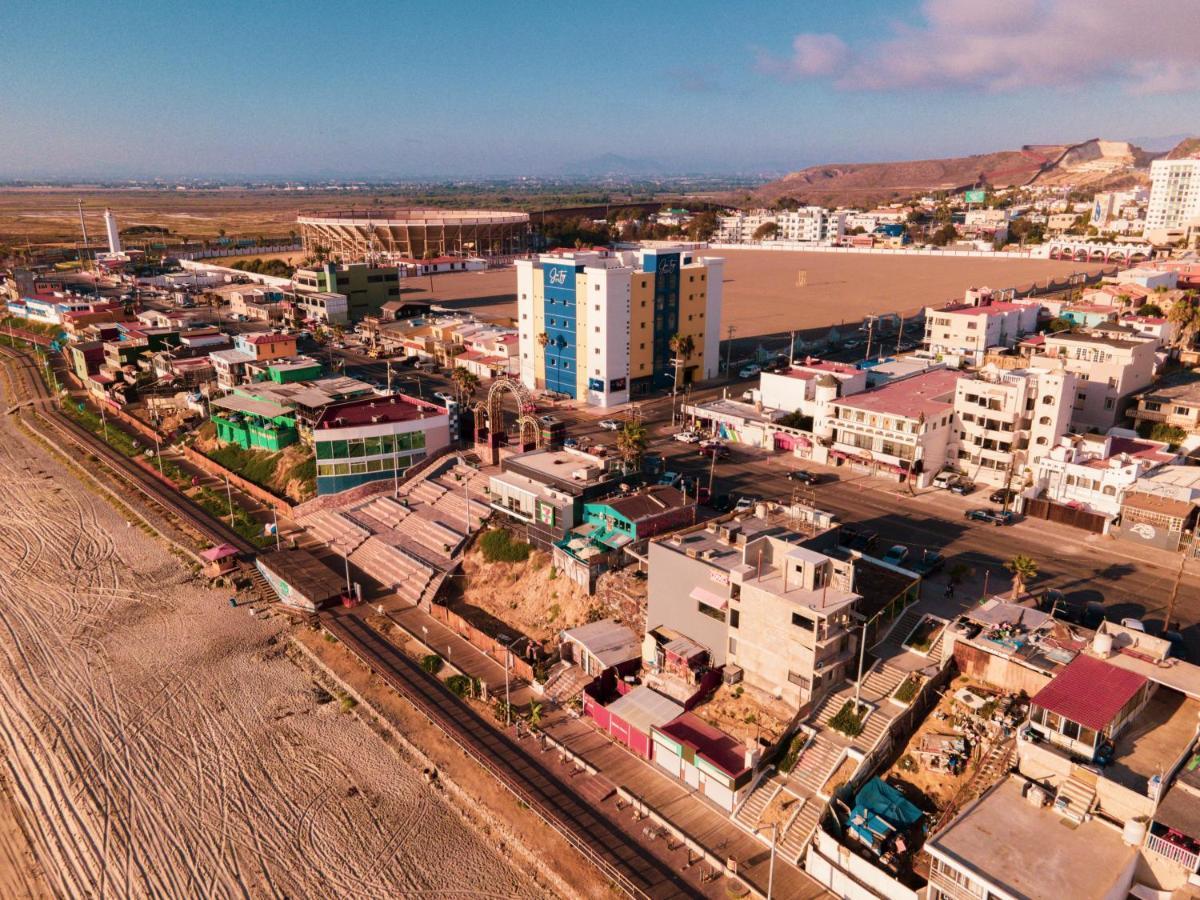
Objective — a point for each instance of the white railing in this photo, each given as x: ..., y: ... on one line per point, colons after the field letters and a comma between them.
x: 1176, y: 854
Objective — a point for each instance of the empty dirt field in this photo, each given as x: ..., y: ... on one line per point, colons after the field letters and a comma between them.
x: 158, y: 743
x: 762, y: 295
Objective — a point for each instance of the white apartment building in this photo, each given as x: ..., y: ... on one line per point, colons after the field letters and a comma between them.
x: 905, y: 428
x: 967, y: 330
x: 1007, y: 419
x: 811, y: 224
x: 1094, y: 470
x: 1107, y: 370
x: 796, y: 388
x: 1174, y: 197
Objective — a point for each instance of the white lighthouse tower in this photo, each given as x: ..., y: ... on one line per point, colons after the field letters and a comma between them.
x: 114, y: 236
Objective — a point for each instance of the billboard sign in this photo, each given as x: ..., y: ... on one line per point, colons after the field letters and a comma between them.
x: 975, y: 196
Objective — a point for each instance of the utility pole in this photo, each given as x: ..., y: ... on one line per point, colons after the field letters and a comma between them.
x: 899, y: 335
x: 729, y: 349
x: 792, y: 347
x: 1175, y: 590
x: 229, y: 497
x: 870, y: 335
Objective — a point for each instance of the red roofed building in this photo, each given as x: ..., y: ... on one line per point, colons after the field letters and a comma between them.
x: 968, y: 329
x: 903, y: 428
x: 1086, y: 704
x: 705, y: 758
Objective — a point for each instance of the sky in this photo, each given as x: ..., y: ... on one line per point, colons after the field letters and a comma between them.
x: 477, y: 89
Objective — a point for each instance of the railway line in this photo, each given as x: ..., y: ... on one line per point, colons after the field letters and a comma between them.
x: 30, y: 391
x: 625, y: 862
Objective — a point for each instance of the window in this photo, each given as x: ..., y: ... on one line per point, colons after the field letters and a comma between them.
x: 1044, y: 420
x: 733, y: 645
x: 711, y: 611
x: 734, y: 618
x: 803, y: 683
x: 801, y: 622
x: 1070, y: 729
x: 1048, y: 400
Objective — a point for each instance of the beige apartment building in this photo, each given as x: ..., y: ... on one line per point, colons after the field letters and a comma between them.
x: 1009, y: 419
x: 968, y: 329
x: 1176, y: 404
x: 1107, y: 371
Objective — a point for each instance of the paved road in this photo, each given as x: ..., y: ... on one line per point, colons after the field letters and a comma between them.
x: 628, y: 864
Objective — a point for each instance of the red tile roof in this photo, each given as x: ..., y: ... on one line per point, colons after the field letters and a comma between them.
x: 1090, y: 691
x: 393, y: 408
x: 993, y: 309
x: 714, y: 745
x: 270, y: 338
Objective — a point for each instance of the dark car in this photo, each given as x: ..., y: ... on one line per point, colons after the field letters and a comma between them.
x: 1003, y: 496
x: 962, y: 487
x: 716, y: 450
x: 994, y: 516
x: 722, y: 503
x: 930, y: 562
x: 1088, y: 614
x: 801, y: 476
x: 857, y: 538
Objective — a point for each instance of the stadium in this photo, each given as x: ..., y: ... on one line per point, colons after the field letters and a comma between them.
x: 415, y: 233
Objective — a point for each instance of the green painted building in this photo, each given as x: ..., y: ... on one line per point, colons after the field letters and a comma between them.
x: 253, y: 424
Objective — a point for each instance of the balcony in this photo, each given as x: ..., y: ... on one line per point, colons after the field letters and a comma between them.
x: 1176, y: 854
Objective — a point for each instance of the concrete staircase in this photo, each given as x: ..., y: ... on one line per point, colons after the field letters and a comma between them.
x: 801, y: 829
x: 815, y: 765
x: 751, y: 810
x: 1075, y: 799
x: 882, y: 681
x: 938, y: 651
x: 893, y: 642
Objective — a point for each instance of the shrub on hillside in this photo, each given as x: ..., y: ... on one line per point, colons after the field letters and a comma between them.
x: 499, y: 546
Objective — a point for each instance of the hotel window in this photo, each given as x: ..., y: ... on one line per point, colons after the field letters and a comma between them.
x: 711, y: 611
x: 803, y: 623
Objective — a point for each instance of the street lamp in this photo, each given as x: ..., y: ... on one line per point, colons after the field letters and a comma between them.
x: 507, y: 665
x: 774, y: 826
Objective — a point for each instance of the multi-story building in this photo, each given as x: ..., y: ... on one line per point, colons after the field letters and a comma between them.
x: 809, y: 225
x: 365, y: 287
x: 376, y: 438
x: 1174, y: 197
x: 905, y: 428
x: 597, y: 325
x: 968, y: 329
x: 1107, y: 371
x: 762, y: 599
x: 256, y: 347
x: 1093, y: 470
x: 1007, y: 419
x: 1174, y: 403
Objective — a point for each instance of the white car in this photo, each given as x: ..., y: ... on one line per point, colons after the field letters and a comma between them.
x: 749, y: 371
x: 743, y: 504
x: 688, y: 437
x: 443, y: 396
x: 610, y: 425
x: 945, y: 479
x: 1133, y: 625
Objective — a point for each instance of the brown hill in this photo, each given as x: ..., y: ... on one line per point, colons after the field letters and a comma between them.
x: 1185, y: 148
x: 1094, y: 163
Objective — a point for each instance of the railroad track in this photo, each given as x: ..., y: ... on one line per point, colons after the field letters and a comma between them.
x: 30, y: 389
x: 630, y: 866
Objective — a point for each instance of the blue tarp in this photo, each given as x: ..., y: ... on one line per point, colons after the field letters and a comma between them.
x: 878, y: 798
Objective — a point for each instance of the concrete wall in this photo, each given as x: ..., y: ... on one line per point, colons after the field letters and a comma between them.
x: 850, y: 876
x: 673, y: 576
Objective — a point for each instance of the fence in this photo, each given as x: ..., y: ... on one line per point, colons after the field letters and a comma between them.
x: 1066, y: 515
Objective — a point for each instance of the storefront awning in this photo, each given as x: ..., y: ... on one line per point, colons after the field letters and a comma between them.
x: 708, y: 597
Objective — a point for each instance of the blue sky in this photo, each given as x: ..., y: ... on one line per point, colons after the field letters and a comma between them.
x: 474, y: 89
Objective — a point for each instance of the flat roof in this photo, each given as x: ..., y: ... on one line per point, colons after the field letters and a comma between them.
x: 714, y: 745
x: 1185, y: 388
x: 990, y: 309
x: 1090, y: 691
x: 930, y: 394
x: 1033, y: 852
x: 237, y: 403
x: 607, y: 640
x: 649, y: 502
x: 642, y: 707
x: 304, y: 573
x: 735, y: 409
x: 376, y: 411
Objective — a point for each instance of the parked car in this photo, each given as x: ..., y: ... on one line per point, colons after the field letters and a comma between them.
x: 712, y: 442
x: 653, y: 463
x: 610, y: 425
x: 1002, y: 496
x: 749, y: 371
x: 945, y: 478
x: 717, y: 451
x: 570, y: 443
x: 1089, y: 614
x: 930, y: 562
x: 548, y: 420
x: 896, y: 554
x: 994, y: 516
x: 671, y: 479
x: 858, y: 539
x: 722, y: 503
x: 802, y: 476
x: 1133, y: 625
x: 688, y: 437
x: 443, y: 396
x: 745, y: 503
x: 748, y: 396
x: 962, y: 487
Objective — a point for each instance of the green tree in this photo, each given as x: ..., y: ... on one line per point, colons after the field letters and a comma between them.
x: 1186, y: 319
x: 683, y: 346
x: 702, y: 227
x: 632, y: 441
x: 943, y: 235
x: 1153, y: 310
x: 1058, y: 324
x: 465, y: 383
x: 766, y: 231
x: 1024, y: 569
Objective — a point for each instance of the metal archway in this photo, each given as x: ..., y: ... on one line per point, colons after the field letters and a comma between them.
x: 527, y: 422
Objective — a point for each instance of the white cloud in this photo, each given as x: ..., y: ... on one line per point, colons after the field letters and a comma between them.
x: 1147, y: 46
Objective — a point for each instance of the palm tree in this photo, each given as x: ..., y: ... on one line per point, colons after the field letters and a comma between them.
x: 535, y: 714
x: 682, y: 346
x: 465, y: 382
x: 1024, y: 569
x: 632, y: 441
x: 1186, y: 319
x: 543, y: 339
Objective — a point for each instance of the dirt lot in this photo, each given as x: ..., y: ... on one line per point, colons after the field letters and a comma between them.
x: 161, y: 743
x: 762, y: 297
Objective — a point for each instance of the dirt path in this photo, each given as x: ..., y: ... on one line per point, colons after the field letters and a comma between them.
x: 159, y: 743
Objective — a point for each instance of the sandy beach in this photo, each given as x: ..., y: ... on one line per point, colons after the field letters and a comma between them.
x: 158, y: 742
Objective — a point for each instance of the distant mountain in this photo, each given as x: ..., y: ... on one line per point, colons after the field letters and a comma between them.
x: 1090, y: 164
x: 1187, y: 147
x: 611, y: 164
x: 1159, y: 143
